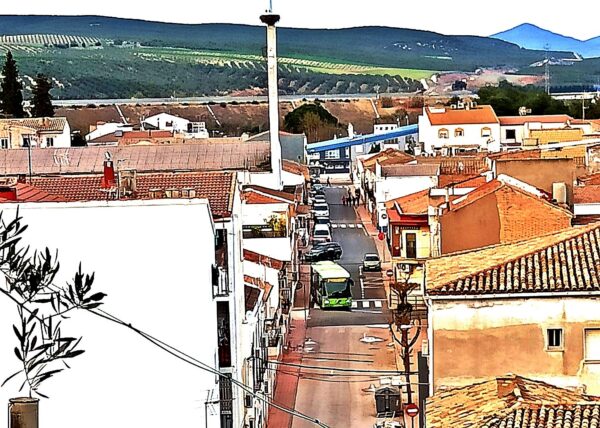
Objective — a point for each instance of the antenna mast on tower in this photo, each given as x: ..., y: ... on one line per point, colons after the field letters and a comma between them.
x: 547, y: 69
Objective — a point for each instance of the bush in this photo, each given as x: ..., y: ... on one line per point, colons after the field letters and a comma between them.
x: 387, y: 102
x: 223, y: 105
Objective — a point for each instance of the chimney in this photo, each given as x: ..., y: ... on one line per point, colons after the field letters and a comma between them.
x: 8, y: 189
x: 507, y: 386
x: 559, y: 192
x: 108, y: 180
x: 270, y: 19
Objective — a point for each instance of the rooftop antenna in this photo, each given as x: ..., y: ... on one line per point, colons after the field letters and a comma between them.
x: 547, y: 69
x: 270, y: 6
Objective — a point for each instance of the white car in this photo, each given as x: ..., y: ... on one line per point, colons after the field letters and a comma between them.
x: 321, y: 210
x: 321, y: 233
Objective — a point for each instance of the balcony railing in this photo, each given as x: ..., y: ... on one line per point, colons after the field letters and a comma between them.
x: 264, y: 233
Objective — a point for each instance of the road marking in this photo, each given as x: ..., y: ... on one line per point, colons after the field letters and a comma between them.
x: 365, y: 304
x: 351, y: 226
x: 334, y: 226
x: 354, y: 304
x: 378, y: 303
x: 359, y: 225
x: 343, y: 226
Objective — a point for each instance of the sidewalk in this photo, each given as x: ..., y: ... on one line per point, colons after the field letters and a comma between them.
x: 286, y: 384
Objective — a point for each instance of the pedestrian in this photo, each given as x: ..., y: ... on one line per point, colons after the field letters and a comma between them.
x: 344, y: 200
x: 328, y: 182
x: 351, y: 200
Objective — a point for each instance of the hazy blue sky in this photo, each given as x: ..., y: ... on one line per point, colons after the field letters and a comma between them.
x: 577, y: 18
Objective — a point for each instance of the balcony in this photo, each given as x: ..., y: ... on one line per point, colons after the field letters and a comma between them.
x: 263, y: 232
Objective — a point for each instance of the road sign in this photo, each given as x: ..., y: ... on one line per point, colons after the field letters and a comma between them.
x: 389, y: 273
x: 411, y: 410
x: 381, y: 236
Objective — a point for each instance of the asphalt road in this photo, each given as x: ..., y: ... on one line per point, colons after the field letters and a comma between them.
x: 370, y: 305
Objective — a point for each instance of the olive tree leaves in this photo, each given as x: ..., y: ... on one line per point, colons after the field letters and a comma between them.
x: 42, y: 306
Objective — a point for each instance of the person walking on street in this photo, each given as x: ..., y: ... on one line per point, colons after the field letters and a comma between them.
x: 344, y: 200
x: 328, y: 182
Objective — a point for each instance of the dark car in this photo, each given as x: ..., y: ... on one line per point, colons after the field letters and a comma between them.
x: 323, y: 251
x: 333, y: 247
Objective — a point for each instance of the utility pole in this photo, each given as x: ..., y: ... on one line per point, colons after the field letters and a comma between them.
x: 547, y: 69
x: 583, y: 107
x: 402, y: 315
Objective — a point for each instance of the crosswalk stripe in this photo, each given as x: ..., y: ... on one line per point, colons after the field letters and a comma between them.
x: 365, y: 304
x: 334, y: 226
x: 354, y: 304
x: 343, y: 226
x: 378, y: 303
x: 351, y: 226
x: 359, y: 225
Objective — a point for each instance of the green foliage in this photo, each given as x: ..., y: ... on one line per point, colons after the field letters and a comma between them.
x: 506, y: 99
x: 11, y: 96
x: 294, y: 121
x: 42, y: 348
x: 42, y: 100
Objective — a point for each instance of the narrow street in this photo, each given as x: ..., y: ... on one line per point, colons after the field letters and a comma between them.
x: 348, y: 345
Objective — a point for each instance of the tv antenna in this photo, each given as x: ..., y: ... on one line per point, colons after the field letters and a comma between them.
x: 270, y: 6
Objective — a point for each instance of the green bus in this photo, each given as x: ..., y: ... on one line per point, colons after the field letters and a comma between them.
x: 331, y: 285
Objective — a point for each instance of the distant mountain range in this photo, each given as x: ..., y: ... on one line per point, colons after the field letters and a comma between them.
x: 530, y: 36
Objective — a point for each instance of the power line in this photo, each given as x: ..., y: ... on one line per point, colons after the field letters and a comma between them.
x: 339, y: 369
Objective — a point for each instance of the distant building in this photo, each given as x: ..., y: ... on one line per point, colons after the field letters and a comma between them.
x: 40, y: 132
x: 292, y: 145
x: 176, y: 124
x: 461, y: 128
x: 515, y: 130
x: 108, y: 130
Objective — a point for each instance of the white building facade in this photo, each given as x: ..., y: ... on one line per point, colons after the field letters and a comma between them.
x: 453, y: 130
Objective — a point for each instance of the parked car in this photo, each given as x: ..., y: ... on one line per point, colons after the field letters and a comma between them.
x: 318, y: 254
x: 333, y: 248
x: 323, y: 220
x: 320, y: 210
x: 319, y: 199
x: 314, y: 193
x: 321, y: 233
x: 318, y: 186
x: 372, y: 262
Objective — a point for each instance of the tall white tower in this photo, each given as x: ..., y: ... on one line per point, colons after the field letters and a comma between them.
x: 270, y: 19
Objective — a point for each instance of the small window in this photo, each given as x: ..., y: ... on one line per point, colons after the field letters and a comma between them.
x: 554, y: 339
x: 3, y: 143
x: 486, y: 132
x: 443, y: 133
x: 50, y: 142
x: 459, y: 132
x: 26, y: 141
x: 511, y: 134
x: 332, y: 154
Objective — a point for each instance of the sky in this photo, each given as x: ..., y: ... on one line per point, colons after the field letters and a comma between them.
x: 478, y: 17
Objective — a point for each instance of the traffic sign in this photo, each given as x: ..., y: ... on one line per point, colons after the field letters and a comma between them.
x: 381, y: 236
x: 411, y: 409
x: 389, y: 273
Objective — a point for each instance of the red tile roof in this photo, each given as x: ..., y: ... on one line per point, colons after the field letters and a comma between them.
x: 139, y: 135
x: 588, y: 194
x: 565, y: 261
x: 584, y: 415
x: 295, y: 168
x: 522, y: 120
x: 277, y: 195
x: 484, y: 404
x: 41, y: 124
x: 28, y: 193
x: 461, y: 180
x: 217, y: 187
x: 415, y: 203
x: 480, y: 115
x: 394, y: 155
x: 260, y: 259
x: 472, y: 165
x: 409, y: 170
x: 212, y: 156
x: 590, y: 179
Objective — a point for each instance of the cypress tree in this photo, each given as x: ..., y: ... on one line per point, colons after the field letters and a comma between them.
x: 11, y: 97
x: 42, y: 100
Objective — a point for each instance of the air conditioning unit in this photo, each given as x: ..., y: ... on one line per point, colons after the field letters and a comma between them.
x: 405, y: 267
x: 248, y: 401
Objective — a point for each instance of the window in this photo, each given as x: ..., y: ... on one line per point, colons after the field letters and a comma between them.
x: 592, y: 345
x: 443, y: 133
x: 411, y: 245
x: 459, y: 132
x: 554, y: 339
x: 511, y: 134
x: 486, y: 132
x: 50, y: 142
x: 332, y: 154
x: 3, y: 143
x: 26, y: 141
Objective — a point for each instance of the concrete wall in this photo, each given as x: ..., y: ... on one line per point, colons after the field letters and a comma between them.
x: 540, y: 173
x: 473, y: 226
x: 157, y: 275
x: 477, y: 340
